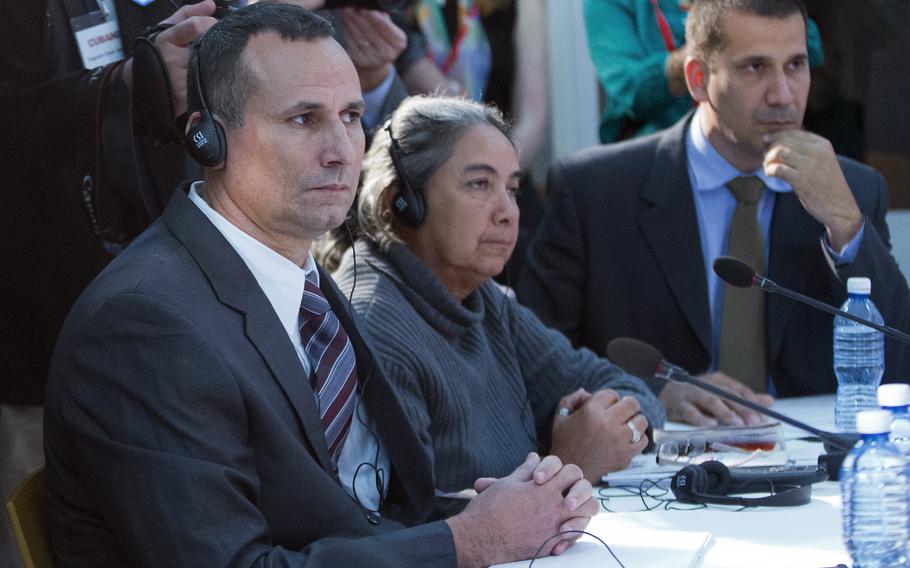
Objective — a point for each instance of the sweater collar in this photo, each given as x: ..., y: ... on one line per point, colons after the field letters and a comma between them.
x: 423, y: 290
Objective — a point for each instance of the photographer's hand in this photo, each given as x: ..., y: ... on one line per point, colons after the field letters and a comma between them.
x: 373, y: 41
x: 187, y: 24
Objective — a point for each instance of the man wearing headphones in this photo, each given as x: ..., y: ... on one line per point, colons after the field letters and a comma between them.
x: 628, y: 241
x: 211, y: 389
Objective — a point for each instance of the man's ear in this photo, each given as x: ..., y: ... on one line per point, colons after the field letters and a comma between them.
x: 191, y: 121
x: 697, y: 79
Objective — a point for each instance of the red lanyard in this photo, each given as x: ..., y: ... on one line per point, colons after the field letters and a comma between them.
x: 460, y: 33
x: 665, y: 32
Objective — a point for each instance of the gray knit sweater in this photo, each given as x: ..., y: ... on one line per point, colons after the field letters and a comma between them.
x: 479, y: 380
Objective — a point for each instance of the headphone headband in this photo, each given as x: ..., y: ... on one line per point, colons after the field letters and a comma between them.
x: 205, y: 140
x: 408, y: 204
x: 712, y: 481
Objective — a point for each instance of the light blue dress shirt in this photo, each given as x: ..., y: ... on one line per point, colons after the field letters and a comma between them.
x: 709, y: 173
x: 373, y: 100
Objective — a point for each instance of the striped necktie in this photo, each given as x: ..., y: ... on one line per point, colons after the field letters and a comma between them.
x: 335, y: 373
x: 741, y: 353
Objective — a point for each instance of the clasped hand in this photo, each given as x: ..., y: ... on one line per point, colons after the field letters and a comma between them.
x: 513, y: 516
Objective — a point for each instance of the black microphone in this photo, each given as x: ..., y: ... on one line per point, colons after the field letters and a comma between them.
x: 737, y: 273
x: 645, y: 361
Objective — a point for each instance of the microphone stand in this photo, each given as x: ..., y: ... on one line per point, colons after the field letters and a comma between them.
x: 836, y: 445
x: 772, y: 288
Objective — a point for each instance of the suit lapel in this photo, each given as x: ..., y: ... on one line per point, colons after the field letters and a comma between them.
x: 271, y: 340
x: 237, y: 288
x: 794, y: 256
x: 670, y: 226
x: 392, y: 427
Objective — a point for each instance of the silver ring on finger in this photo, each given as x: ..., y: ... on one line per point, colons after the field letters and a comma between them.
x: 636, y: 434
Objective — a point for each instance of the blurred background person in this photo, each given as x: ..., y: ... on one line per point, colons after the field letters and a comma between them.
x: 857, y: 97
x: 85, y: 166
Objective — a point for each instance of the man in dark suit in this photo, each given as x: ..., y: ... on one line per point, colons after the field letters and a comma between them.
x: 632, y: 229
x: 211, y: 401
x: 62, y: 119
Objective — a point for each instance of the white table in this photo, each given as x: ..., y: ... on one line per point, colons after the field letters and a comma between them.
x: 805, y: 537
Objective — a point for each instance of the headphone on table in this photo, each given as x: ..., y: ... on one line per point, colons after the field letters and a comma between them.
x: 205, y: 141
x: 712, y: 481
x: 408, y: 205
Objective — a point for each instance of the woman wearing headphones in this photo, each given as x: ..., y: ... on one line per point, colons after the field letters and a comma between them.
x: 483, y: 381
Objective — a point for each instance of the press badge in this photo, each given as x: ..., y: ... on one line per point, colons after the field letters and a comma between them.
x: 98, y: 35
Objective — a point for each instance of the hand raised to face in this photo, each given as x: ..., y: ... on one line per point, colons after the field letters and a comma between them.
x: 808, y: 163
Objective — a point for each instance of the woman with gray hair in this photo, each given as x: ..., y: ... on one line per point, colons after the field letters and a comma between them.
x: 483, y: 381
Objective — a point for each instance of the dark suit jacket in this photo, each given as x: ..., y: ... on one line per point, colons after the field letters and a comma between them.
x: 618, y: 254
x: 181, y: 430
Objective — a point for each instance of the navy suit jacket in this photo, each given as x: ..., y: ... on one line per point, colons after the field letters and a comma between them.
x: 618, y: 254
x: 181, y: 429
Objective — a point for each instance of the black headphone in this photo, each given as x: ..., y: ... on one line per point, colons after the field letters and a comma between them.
x: 205, y: 141
x: 408, y: 204
x: 710, y: 482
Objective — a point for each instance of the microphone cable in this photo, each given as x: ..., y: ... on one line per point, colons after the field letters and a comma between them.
x: 378, y: 472
x: 563, y: 533
x: 652, y: 489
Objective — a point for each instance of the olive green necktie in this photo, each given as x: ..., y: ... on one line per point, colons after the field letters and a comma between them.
x: 741, y: 353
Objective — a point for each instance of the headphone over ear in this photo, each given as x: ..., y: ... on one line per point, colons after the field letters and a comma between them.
x: 408, y: 204
x: 711, y: 481
x: 205, y: 141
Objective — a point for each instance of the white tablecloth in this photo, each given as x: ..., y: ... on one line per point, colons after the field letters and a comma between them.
x: 805, y: 537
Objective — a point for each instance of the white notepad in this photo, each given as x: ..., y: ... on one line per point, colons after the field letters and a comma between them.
x: 635, y: 548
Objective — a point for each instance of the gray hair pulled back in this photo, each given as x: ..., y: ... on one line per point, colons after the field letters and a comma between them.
x: 427, y: 128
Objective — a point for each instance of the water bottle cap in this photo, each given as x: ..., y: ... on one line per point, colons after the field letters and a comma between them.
x: 897, y: 394
x: 873, y: 421
x: 859, y: 285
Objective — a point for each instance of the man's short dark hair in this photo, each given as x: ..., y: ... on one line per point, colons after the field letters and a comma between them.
x: 704, y: 36
x: 227, y: 81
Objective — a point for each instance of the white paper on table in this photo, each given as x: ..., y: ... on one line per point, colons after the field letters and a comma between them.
x: 635, y: 547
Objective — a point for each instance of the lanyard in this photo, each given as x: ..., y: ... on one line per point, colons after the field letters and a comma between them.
x: 665, y: 32
x: 473, y: 15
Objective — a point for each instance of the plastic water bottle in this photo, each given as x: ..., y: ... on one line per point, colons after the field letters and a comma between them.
x: 859, y: 356
x: 875, y: 489
x: 895, y: 398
